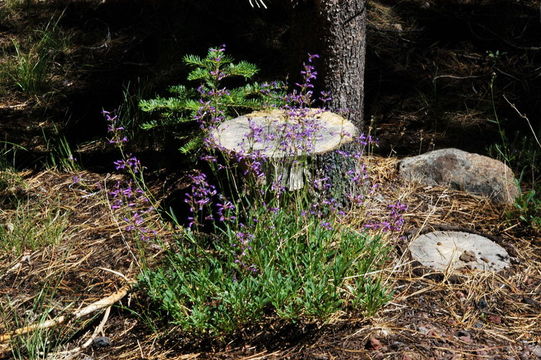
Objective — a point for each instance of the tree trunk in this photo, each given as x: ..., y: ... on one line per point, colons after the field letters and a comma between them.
x: 335, y: 29
x: 343, y: 40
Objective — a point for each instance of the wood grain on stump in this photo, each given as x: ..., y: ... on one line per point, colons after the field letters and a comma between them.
x: 457, y: 250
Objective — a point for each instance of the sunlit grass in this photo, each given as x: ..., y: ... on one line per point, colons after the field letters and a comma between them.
x: 31, y: 62
x: 31, y: 226
x: 37, y: 344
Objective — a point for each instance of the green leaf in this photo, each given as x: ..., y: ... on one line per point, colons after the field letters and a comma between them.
x: 192, y: 105
x: 182, y: 92
x: 199, y: 74
x: 165, y: 104
x: 191, y: 145
x: 193, y: 60
x: 243, y: 68
x: 149, y: 125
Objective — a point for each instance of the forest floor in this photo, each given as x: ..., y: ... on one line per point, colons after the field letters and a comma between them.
x: 427, y: 90
x: 431, y: 315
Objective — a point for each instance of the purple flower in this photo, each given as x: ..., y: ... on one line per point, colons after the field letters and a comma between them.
x: 395, y: 221
x: 243, y: 248
x: 326, y: 225
x: 223, y: 210
x: 132, y: 164
x: 133, y: 207
x: 201, y: 197
x: 116, y: 132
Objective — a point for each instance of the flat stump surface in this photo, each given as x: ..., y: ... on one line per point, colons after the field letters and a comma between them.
x: 326, y: 132
x: 456, y: 250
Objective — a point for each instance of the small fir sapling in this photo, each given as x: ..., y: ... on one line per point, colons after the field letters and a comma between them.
x: 211, y: 102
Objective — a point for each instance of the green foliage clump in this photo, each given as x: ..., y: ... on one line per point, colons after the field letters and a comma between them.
x: 284, y: 264
x: 32, y: 66
x: 527, y: 209
x: 211, y: 102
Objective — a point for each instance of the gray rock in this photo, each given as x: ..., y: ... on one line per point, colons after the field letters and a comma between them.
x: 476, y: 174
x: 102, y: 341
x: 536, y: 350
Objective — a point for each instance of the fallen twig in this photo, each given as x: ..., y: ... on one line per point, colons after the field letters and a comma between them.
x: 95, y: 306
x: 525, y: 118
x: 258, y: 3
x: 73, y: 352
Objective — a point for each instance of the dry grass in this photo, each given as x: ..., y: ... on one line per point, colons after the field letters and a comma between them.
x: 80, y: 268
x: 497, y: 311
x: 431, y: 314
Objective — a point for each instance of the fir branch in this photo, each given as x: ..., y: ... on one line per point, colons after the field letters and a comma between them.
x: 187, y: 103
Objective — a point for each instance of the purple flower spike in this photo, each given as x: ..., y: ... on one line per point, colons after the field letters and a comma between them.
x: 133, y: 207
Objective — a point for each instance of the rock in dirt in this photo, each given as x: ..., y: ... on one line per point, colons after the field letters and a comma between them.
x: 464, y: 336
x: 536, y: 351
x: 410, y: 356
x: 476, y: 174
x: 495, y: 319
x: 468, y: 256
x: 373, y: 344
x: 101, y: 341
x: 457, y: 250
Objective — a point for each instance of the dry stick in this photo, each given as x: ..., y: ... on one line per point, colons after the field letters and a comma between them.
x: 75, y: 351
x: 455, y: 77
x: 15, y: 106
x: 525, y: 118
x: 95, y: 306
x: 258, y: 3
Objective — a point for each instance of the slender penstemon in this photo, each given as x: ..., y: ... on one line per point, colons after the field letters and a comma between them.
x: 129, y: 198
x: 270, y: 252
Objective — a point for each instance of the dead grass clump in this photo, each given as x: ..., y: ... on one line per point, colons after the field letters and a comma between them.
x: 81, y: 266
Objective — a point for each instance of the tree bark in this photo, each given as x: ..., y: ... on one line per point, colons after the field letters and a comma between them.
x: 343, y: 39
x: 335, y: 29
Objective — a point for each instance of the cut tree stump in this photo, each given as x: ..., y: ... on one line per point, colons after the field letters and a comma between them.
x: 457, y: 250
x: 284, y: 143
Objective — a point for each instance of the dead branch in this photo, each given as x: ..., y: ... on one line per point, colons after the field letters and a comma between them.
x: 95, y: 306
x: 73, y: 352
x: 525, y: 118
